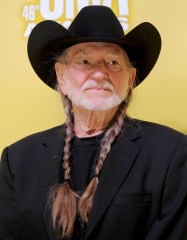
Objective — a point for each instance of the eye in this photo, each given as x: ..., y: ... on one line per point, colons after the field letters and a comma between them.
x: 114, y: 62
x: 85, y: 61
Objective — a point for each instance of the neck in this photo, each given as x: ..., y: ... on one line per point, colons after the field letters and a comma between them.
x: 91, y: 123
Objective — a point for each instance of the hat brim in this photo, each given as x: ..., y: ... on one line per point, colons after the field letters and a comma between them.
x: 49, y: 38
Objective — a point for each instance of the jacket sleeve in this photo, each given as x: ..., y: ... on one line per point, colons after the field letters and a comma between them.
x: 8, y: 218
x: 171, y: 223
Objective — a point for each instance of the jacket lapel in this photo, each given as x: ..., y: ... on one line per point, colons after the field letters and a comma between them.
x: 50, y: 172
x: 116, y: 168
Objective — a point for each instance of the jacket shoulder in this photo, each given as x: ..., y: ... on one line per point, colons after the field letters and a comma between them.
x: 157, y: 133
x: 156, y: 128
x: 39, y: 136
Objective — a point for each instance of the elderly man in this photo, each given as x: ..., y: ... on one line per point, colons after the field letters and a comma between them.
x: 102, y: 175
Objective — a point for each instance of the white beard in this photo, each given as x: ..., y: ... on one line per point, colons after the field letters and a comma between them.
x: 95, y: 102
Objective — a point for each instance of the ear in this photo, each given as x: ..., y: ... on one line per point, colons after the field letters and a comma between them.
x: 132, y: 78
x: 59, y: 69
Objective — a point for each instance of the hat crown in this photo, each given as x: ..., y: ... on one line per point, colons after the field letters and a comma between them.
x: 104, y: 25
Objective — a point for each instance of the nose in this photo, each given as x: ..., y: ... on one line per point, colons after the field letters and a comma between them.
x: 99, y: 70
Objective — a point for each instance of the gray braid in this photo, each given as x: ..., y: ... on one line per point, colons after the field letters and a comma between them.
x: 63, y: 199
x: 109, y: 137
x: 69, y: 136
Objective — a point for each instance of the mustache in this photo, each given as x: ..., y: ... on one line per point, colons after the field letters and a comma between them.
x: 93, y: 84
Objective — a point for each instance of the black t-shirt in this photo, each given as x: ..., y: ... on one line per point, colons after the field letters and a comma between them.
x: 85, y: 153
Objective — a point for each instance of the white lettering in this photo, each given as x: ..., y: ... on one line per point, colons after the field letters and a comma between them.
x: 81, y: 4
x: 29, y: 28
x: 123, y: 7
x: 70, y: 9
x: 66, y: 24
x: 96, y: 2
x: 124, y: 23
x: 29, y: 12
x: 55, y: 9
x: 107, y: 3
x: 47, y: 13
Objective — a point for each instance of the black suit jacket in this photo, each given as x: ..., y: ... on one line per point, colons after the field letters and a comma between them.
x: 142, y: 192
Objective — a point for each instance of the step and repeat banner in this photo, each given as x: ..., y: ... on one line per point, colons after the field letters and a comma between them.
x: 27, y: 105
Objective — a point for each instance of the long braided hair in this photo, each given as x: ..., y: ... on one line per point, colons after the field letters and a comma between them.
x: 65, y: 203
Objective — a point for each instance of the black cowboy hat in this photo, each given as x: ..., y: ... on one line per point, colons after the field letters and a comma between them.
x: 92, y: 24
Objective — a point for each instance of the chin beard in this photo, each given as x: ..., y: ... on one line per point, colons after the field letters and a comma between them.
x: 96, y: 104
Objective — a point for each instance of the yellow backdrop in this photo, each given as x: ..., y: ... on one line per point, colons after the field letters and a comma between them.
x: 28, y: 105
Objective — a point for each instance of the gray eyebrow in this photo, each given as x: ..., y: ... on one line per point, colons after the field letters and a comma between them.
x: 82, y: 52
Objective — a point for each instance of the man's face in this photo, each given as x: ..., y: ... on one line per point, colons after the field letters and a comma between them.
x: 95, y: 75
